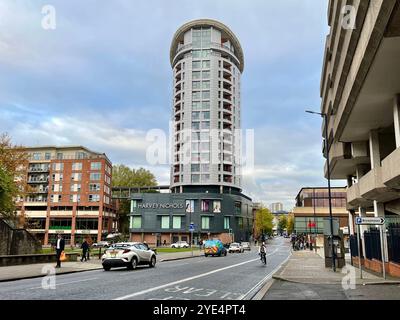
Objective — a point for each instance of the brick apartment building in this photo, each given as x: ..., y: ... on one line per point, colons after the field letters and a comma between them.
x: 69, y: 192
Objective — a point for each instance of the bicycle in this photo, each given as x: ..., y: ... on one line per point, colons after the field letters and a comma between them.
x: 263, y: 258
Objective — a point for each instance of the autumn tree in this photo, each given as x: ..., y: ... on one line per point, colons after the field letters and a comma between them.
x: 263, y: 221
x: 290, y: 224
x: 282, y: 223
x: 13, y: 164
x: 124, y: 176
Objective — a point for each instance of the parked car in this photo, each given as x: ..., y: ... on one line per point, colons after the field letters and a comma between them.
x: 245, y: 246
x: 128, y: 255
x: 235, y: 247
x: 214, y: 248
x: 101, y: 244
x: 180, y: 244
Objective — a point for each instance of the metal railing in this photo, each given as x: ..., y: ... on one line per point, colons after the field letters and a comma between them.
x: 393, y: 240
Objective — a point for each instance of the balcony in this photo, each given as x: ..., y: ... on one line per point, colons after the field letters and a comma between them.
x: 39, y: 169
x: 391, y: 170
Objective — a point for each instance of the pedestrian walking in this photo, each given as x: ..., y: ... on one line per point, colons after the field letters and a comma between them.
x: 85, y: 249
x: 60, y: 246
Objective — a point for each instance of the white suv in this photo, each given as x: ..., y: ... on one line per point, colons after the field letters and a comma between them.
x: 128, y: 255
x: 180, y: 244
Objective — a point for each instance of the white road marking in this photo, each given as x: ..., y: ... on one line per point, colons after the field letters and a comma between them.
x: 182, y: 280
x: 266, y: 278
x: 187, y: 279
x: 64, y: 283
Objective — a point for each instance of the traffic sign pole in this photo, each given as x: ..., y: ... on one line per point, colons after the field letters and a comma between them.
x: 359, y: 249
x: 383, y: 253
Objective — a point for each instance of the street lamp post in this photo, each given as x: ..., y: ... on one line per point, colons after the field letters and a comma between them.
x: 324, y: 116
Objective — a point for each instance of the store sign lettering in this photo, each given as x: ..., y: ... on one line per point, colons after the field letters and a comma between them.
x: 161, y: 206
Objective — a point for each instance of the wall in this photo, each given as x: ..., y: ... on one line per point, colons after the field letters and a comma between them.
x: 17, y: 241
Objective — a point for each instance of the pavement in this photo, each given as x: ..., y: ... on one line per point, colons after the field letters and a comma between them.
x: 28, y: 271
x: 304, y: 277
x: 234, y: 277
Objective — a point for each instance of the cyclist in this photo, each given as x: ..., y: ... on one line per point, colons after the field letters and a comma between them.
x: 262, y: 251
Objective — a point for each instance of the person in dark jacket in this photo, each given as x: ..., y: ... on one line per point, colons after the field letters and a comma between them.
x: 85, y: 248
x: 60, y: 246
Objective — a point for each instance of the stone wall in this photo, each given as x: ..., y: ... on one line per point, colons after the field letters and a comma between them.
x: 17, y: 241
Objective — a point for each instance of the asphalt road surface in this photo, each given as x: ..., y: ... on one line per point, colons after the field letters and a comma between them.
x: 234, y: 277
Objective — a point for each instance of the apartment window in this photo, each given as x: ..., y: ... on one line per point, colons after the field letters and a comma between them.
x: 205, y: 105
x: 196, y: 53
x: 196, y: 105
x: 47, y: 156
x: 205, y: 74
x: 133, y: 205
x: 217, y: 206
x: 205, y: 178
x: 205, y: 146
x: 205, y: 125
x: 205, y: 205
x: 75, y: 187
x: 206, y: 85
x: 195, y: 136
x: 136, y: 222
x: 95, y: 166
x: 196, y: 64
x: 58, y: 166
x: 205, y: 223
x: 195, y: 178
x: 76, y: 177
x: 205, y: 136
x: 206, y: 64
x: 59, y: 155
x: 165, y: 222
x: 196, y: 75
x: 196, y: 125
x: 55, y: 198
x: 205, y: 167
x: 95, y: 176
x: 94, y: 187
x: 205, y: 157
x: 176, y: 222
x: 195, y: 168
x: 77, y: 166
x: 196, y: 95
x: 227, y: 223
x: 94, y: 198
x: 196, y: 85
x: 80, y: 155
x: 196, y: 115
x: 206, y: 115
x: 195, y: 146
x: 206, y: 95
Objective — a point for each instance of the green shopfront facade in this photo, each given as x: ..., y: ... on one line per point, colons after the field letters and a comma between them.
x: 164, y: 218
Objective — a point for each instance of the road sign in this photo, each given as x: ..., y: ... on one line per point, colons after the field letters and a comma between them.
x: 191, y: 227
x: 370, y: 221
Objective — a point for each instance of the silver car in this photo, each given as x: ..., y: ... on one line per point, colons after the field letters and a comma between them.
x: 128, y: 255
x: 245, y: 246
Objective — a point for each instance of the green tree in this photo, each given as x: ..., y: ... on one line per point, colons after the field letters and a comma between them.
x: 13, y: 162
x: 124, y: 176
x: 282, y: 223
x: 263, y: 221
x: 290, y: 224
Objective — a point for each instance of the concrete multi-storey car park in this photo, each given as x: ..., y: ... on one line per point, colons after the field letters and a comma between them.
x: 360, y: 90
x: 207, y: 62
x: 69, y: 192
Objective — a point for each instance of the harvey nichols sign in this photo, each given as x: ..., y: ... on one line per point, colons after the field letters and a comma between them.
x: 161, y: 206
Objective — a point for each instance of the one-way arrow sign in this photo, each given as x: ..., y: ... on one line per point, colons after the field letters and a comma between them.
x: 370, y: 221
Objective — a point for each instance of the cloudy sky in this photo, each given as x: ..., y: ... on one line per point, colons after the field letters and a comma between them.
x: 102, y: 79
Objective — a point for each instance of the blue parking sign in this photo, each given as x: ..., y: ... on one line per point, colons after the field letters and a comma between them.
x: 191, y: 227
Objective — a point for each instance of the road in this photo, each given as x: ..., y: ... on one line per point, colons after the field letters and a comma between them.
x: 233, y: 277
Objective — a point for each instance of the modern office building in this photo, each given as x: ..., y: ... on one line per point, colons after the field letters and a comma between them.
x: 312, y: 207
x: 360, y: 89
x: 207, y: 62
x: 276, y: 207
x: 69, y: 192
